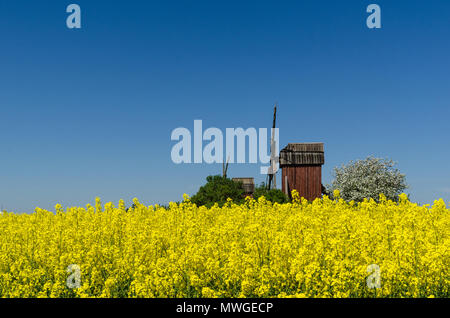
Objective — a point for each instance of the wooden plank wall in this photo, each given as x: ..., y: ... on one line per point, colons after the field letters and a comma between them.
x: 306, y: 179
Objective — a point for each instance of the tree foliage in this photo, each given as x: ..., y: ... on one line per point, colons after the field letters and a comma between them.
x: 368, y: 178
x: 217, y: 190
x: 273, y: 195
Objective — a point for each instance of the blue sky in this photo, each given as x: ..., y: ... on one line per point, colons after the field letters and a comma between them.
x: 89, y: 112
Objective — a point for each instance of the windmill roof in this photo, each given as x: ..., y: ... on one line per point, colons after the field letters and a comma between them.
x: 302, y: 154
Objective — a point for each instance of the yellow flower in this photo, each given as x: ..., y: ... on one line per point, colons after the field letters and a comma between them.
x: 325, y: 248
x: 336, y: 194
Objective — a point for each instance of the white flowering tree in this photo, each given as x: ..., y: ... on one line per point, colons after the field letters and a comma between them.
x: 368, y: 178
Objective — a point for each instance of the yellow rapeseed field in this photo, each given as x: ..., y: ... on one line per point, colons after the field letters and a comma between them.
x: 327, y: 248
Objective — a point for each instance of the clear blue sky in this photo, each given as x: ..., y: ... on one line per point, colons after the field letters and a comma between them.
x: 86, y: 113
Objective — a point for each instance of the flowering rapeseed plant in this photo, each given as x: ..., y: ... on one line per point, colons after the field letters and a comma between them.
x: 256, y: 249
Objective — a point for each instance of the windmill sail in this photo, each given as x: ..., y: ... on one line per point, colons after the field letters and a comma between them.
x: 272, y: 169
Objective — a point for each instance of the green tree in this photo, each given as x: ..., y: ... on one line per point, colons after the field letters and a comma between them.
x: 368, y: 178
x: 217, y: 190
x: 273, y: 195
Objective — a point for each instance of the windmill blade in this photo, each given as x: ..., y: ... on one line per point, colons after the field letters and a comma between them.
x: 225, y: 167
x: 272, y: 174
